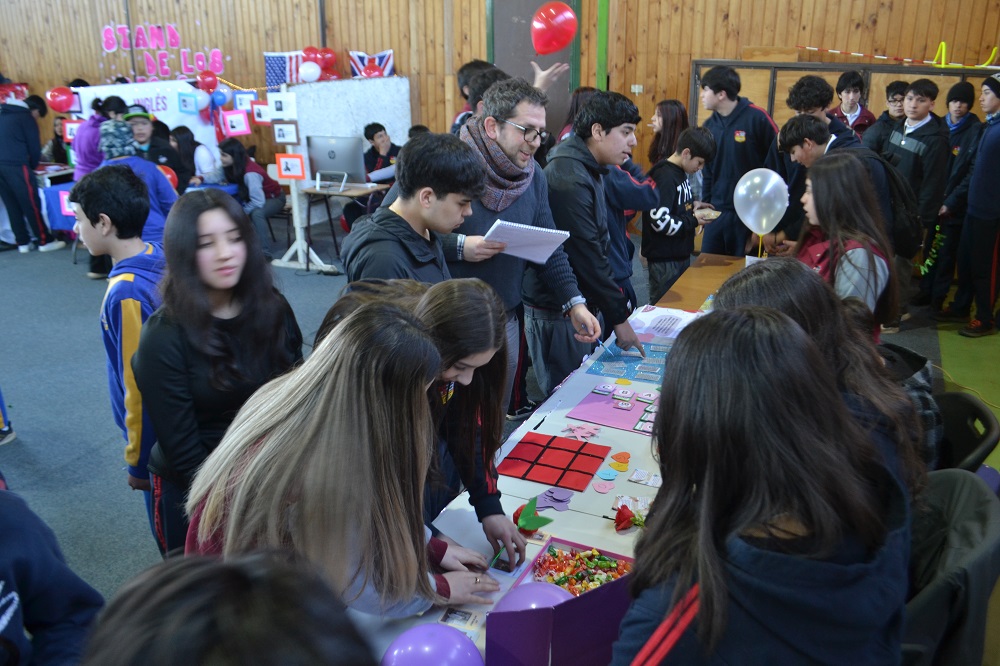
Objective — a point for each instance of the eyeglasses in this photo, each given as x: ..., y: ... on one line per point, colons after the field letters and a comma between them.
x: 895, y: 101
x: 530, y: 134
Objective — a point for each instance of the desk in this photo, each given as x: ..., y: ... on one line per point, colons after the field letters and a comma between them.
x: 47, y: 172
x: 300, y: 254
x: 703, y: 278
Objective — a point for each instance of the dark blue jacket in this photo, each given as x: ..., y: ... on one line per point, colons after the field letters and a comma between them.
x: 742, y: 141
x: 983, y: 200
x: 626, y: 188
x: 20, y: 144
x: 962, y: 141
x: 38, y: 592
x: 789, y: 610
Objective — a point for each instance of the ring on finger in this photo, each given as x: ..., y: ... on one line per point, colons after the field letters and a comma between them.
x: 477, y: 580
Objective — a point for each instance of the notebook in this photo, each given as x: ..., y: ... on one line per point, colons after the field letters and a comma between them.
x: 525, y: 241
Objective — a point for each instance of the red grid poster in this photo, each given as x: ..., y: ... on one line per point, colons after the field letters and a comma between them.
x: 554, y: 461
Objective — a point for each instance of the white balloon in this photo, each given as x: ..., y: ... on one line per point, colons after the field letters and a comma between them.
x: 203, y: 99
x: 225, y: 90
x: 310, y: 71
x: 760, y: 199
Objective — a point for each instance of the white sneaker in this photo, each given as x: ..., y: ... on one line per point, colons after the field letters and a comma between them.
x: 52, y: 246
x: 24, y: 249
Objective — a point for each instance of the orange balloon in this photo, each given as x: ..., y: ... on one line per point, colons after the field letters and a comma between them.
x: 169, y: 173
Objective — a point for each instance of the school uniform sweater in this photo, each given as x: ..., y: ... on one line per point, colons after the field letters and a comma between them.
x: 742, y: 141
x: 922, y: 156
x: 864, y: 120
x: 962, y: 139
x: 133, y: 295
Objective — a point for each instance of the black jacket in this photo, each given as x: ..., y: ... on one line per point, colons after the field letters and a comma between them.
x: 189, y: 414
x: 668, y: 227
x: 876, y: 137
x: 576, y: 197
x: 161, y: 153
x: 922, y: 156
x: 383, y: 245
x: 20, y: 144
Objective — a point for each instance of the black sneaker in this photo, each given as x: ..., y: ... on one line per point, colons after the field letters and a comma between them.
x: 977, y: 329
x: 522, y: 412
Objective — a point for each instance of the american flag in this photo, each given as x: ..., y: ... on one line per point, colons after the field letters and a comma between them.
x: 281, y: 68
x: 383, y: 60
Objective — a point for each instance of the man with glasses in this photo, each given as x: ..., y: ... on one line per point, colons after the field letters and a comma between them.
x: 504, y: 138
x: 877, y: 136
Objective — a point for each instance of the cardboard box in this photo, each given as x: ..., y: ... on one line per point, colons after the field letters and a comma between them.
x: 578, y: 631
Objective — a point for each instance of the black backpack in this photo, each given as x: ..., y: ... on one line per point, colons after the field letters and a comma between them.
x: 907, y: 230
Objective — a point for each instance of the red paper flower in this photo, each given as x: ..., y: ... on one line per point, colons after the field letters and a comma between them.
x: 625, y: 519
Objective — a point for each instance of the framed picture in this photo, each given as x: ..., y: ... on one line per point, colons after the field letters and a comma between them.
x: 291, y: 166
x: 260, y: 112
x: 70, y: 128
x: 64, y: 205
x: 187, y: 102
x: 242, y: 99
x: 235, y: 123
x: 77, y: 104
x: 282, y: 106
x: 286, y: 132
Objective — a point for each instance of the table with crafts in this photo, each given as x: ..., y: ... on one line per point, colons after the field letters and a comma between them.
x: 585, y: 451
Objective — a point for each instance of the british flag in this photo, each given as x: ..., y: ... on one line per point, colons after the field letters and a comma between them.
x: 281, y: 68
x: 384, y: 61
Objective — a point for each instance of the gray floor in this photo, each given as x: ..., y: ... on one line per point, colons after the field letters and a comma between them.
x: 67, y: 460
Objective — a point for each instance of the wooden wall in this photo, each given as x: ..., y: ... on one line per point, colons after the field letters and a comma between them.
x: 650, y: 42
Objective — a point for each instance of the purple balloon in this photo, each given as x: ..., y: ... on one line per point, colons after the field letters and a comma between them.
x: 432, y: 644
x: 532, y: 595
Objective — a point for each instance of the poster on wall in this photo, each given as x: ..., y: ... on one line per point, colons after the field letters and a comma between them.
x: 70, y: 128
x: 161, y: 98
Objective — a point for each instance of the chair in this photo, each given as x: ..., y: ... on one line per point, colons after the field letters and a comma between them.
x: 971, y: 431
x: 954, y: 564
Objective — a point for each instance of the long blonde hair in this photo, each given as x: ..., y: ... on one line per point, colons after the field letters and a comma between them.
x: 330, y: 460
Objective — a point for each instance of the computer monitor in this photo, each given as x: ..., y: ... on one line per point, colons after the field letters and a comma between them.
x: 336, y: 159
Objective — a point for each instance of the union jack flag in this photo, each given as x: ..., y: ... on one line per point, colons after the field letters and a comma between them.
x: 384, y: 61
x: 281, y: 68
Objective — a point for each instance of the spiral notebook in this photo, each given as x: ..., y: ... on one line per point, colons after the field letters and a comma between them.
x: 535, y: 244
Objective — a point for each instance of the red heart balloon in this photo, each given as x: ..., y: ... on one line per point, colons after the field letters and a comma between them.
x: 553, y: 27
x: 371, y: 70
x: 327, y: 58
x: 207, y: 80
x: 311, y: 54
x: 60, y: 99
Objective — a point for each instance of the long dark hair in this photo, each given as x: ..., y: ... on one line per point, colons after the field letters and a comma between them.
x: 236, y: 172
x: 727, y: 472
x: 58, y: 147
x: 263, y: 337
x: 791, y: 287
x: 186, y: 145
x: 467, y: 317
x: 847, y: 210
x: 673, y: 120
x: 577, y: 101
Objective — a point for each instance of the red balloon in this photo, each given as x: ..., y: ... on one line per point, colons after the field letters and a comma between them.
x: 169, y: 173
x: 327, y: 58
x: 553, y: 27
x: 207, y: 80
x: 371, y: 70
x: 311, y: 54
x: 60, y: 99
x: 328, y: 76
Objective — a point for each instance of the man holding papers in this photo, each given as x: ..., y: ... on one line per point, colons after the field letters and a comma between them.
x: 603, y: 135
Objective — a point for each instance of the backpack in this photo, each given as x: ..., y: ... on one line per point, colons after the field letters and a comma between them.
x: 907, y: 230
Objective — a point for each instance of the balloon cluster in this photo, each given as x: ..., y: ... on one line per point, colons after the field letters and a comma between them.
x: 210, y: 90
x: 318, y: 64
x: 552, y: 27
